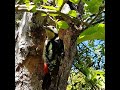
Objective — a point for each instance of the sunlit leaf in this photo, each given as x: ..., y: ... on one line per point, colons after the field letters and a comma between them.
x: 73, y: 13
x: 43, y: 14
x: 26, y: 1
x: 69, y: 87
x: 27, y: 4
x: 100, y: 72
x: 94, y: 32
x: 45, y: 1
x: 74, y: 1
x: 49, y: 7
x: 62, y: 25
x: 59, y: 2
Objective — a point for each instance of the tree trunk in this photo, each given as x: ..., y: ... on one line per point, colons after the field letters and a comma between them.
x: 28, y: 57
x: 70, y: 52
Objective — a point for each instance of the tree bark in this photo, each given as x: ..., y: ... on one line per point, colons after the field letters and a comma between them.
x: 22, y: 80
x: 69, y: 40
x: 28, y: 58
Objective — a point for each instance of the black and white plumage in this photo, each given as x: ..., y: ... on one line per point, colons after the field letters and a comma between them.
x: 53, y: 50
x: 54, y: 45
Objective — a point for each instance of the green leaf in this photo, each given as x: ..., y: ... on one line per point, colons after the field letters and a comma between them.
x: 34, y: 9
x: 45, y: 1
x: 26, y: 1
x: 93, y: 32
x: 29, y: 6
x: 59, y: 2
x: 43, y: 14
x: 73, y: 13
x: 62, y: 25
x: 54, y: 14
x: 92, y: 5
x: 100, y: 72
x: 93, y: 8
x: 74, y: 1
x: 49, y: 7
x: 36, y: 1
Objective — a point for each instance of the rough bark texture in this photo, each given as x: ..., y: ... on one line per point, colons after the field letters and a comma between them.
x: 28, y: 55
x: 70, y: 51
x: 22, y: 80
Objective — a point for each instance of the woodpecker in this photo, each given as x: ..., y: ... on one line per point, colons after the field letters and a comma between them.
x: 54, y: 49
x: 54, y: 45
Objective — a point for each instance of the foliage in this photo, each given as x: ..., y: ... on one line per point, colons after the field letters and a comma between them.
x: 93, y: 81
x: 75, y: 1
x: 94, y: 32
x: 73, y: 13
x: 62, y: 25
x: 88, y: 71
x: 92, y: 6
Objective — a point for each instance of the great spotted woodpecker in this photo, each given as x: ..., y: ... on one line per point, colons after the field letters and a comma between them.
x: 54, y: 49
x: 54, y: 45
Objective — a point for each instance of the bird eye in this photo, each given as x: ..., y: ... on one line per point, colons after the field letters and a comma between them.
x: 53, y: 27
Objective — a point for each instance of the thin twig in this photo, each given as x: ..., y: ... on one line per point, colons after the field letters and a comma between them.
x: 98, y: 22
x: 92, y: 20
x: 95, y: 17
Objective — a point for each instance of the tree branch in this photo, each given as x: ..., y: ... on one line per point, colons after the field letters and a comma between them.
x: 98, y: 22
x: 91, y: 23
x: 23, y: 8
x: 96, y: 16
